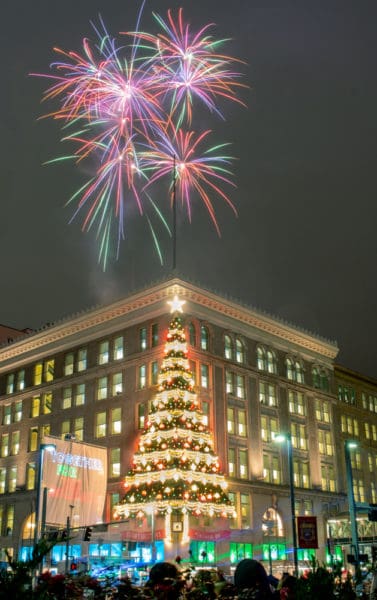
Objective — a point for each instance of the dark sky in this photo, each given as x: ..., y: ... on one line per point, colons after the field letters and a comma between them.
x: 304, y: 247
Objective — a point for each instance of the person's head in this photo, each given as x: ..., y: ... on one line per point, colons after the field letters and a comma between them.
x: 250, y: 574
x: 288, y: 588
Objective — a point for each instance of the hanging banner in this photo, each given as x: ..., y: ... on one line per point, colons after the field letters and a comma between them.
x: 307, y: 532
x: 213, y: 536
x: 75, y: 476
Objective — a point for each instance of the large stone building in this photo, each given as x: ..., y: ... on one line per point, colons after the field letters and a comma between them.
x: 93, y: 376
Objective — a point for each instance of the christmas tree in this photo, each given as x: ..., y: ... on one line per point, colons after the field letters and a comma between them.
x: 175, y: 470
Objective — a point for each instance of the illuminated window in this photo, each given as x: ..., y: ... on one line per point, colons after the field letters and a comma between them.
x: 103, y: 353
x: 228, y: 347
x: 15, y: 442
x: 82, y: 359
x: 7, y: 414
x: 300, y: 378
x: 301, y: 473
x: 359, y: 489
x: 245, y: 511
x: 47, y: 403
x: 118, y: 348
x: 21, y: 380
x: 261, y: 359
x: 296, y: 401
x: 154, y: 335
x: 117, y: 384
x: 324, y: 442
x: 349, y: 425
x: 35, y: 406
x: 4, y: 445
x: 228, y: 382
x: 355, y: 459
x: 204, y: 338
x: 346, y: 394
x: 231, y: 423
x: 141, y: 416
x: 115, y: 462
x: 37, y: 378
x: 267, y: 394
x: 80, y: 394
x: 243, y: 469
x: 205, y: 411
x: 67, y: 397
x: 271, y: 361
x: 12, y: 482
x: 241, y: 423
x: 231, y: 462
x: 49, y: 369
x: 45, y: 429
x: 192, y: 334
x: 3, y: 478
x: 30, y: 476
x: 272, y: 523
x: 322, y: 410
x: 328, y: 478
x: 290, y: 369
x: 204, y: 376
x: 142, y: 377
x: 66, y: 428
x: 271, y: 468
x: 240, y: 386
x: 68, y: 363
x: 298, y: 436
x: 100, y: 424
x: 10, y: 384
x: 154, y: 372
x: 269, y: 428
x: 102, y: 388
x: 33, y: 439
x: 114, y: 501
x: 116, y: 421
x: 17, y: 415
x: 10, y: 519
x: 143, y: 341
x: 78, y: 429
x: 373, y: 492
x: 240, y: 351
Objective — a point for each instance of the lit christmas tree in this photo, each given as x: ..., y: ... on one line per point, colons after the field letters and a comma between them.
x: 175, y: 470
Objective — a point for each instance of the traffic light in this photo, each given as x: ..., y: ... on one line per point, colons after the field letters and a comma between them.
x: 87, y: 534
x: 73, y: 566
x: 372, y: 513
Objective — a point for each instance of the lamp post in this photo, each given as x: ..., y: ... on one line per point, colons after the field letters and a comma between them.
x: 40, y: 506
x: 286, y: 437
x: 350, y: 445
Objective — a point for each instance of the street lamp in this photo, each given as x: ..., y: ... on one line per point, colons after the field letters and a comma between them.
x: 286, y: 437
x: 348, y: 446
x: 40, y: 507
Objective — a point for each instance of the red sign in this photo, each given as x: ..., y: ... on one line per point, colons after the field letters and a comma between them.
x: 213, y: 536
x: 307, y: 532
x: 142, y: 536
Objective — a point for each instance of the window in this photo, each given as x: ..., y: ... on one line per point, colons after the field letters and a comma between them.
x: 78, y: 429
x: 204, y: 338
x: 228, y: 347
x: 100, y: 425
x: 45, y: 429
x: 142, y: 377
x: 240, y: 386
x: 103, y: 353
x: 359, y: 489
x: 236, y: 422
x: 271, y: 468
x: 10, y: 384
x: 324, y: 442
x: 12, y: 483
x: 240, y: 352
x: 49, y: 370
x: 346, y: 394
x: 299, y: 372
x: 102, y: 388
x: 116, y: 421
x: 267, y: 394
x: 349, y: 425
x: 15, y: 442
x: 141, y: 416
x: 370, y: 431
x: 117, y: 384
x: 261, y: 359
x: 231, y: 427
x: 47, y: 403
x: 204, y: 376
x: 192, y: 334
x: 3, y: 477
x: 328, y: 478
x: 30, y: 476
x: 271, y: 361
x: 115, y: 462
x: 4, y: 445
x: 241, y: 423
x: 243, y: 471
x: 298, y: 436
x: 269, y: 428
x: 35, y: 406
x: 118, y: 352
x: 21, y: 380
x: 355, y: 460
x: 17, y: 415
x: 301, y: 473
x: 296, y: 402
x: 7, y: 414
x: 205, y: 411
x: 66, y: 428
x: 154, y: 335
x: 82, y: 359
x: 10, y: 520
x: 33, y: 439
x: 68, y: 364
x: 38, y: 369
x: 231, y: 462
x: 67, y: 397
x: 80, y: 394
x: 245, y: 511
x: 322, y: 410
x: 143, y: 338
x: 228, y: 382
x: 154, y: 372
x: 290, y: 369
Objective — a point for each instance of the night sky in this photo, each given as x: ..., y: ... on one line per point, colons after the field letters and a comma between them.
x: 304, y: 246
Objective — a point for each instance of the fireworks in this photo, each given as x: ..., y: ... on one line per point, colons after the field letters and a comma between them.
x: 126, y: 108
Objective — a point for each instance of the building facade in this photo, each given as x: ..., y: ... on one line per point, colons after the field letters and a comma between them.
x: 93, y: 376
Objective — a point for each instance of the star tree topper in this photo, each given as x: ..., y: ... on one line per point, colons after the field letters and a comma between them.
x: 176, y: 304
